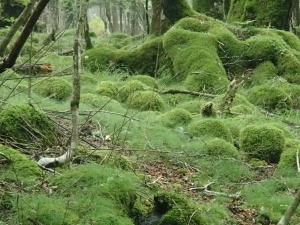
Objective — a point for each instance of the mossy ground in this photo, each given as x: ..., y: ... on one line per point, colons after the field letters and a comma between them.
x: 169, y: 129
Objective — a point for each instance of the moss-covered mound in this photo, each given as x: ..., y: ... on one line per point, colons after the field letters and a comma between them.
x: 19, y: 167
x: 270, y: 98
x: 175, y: 117
x: 88, y: 79
x: 129, y: 88
x: 242, y: 109
x: 147, y: 80
x: 103, y: 102
x: 193, y: 106
x: 176, y: 210
x: 56, y: 88
x: 293, y: 91
x: 263, y: 72
x: 107, y: 88
x: 220, y: 148
x: 209, y: 128
x: 288, y: 156
x: 24, y: 124
x: 262, y: 142
x: 196, y: 61
x: 145, y: 100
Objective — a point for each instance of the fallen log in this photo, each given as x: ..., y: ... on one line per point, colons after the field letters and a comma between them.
x: 33, y: 69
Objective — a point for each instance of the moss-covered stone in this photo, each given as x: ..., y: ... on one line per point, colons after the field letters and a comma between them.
x: 55, y: 88
x: 288, y: 156
x: 270, y: 98
x: 147, y: 80
x: 175, y: 117
x: 262, y: 142
x: 27, y: 125
x: 208, y: 110
x: 20, y: 168
x: 220, y: 148
x: 289, y: 66
x: 263, y: 72
x: 193, y: 106
x: 294, y: 92
x: 209, y: 128
x: 145, y: 100
x: 107, y: 88
x: 176, y: 210
x: 193, y: 24
x: 129, y: 88
x: 242, y: 109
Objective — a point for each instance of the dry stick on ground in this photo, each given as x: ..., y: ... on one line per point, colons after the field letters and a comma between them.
x: 175, y: 91
x: 76, y: 94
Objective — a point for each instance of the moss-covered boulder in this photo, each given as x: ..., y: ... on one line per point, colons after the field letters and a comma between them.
x: 27, y: 125
x: 19, y: 168
x: 293, y: 91
x: 262, y: 142
x: 147, y: 80
x: 145, y: 100
x: 220, y: 148
x: 288, y: 156
x: 129, y: 88
x: 107, y: 88
x: 210, y: 128
x: 176, y: 117
x: 55, y: 88
x: 176, y: 209
x: 263, y: 72
x: 270, y: 98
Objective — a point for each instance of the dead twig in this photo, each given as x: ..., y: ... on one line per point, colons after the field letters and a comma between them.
x: 206, y: 191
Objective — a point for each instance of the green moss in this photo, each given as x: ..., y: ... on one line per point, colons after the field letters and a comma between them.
x: 129, y: 88
x: 107, y: 88
x: 270, y: 98
x: 175, y: 11
x: 263, y: 72
x: 208, y: 110
x: 234, y: 128
x: 262, y: 142
x: 56, y: 88
x: 283, y: 127
x: 193, y: 24
x: 103, y: 102
x: 193, y: 106
x: 20, y: 169
x: 294, y: 92
x: 220, y: 148
x: 147, y: 80
x: 238, y: 100
x: 288, y: 156
x: 27, y: 125
x: 175, y: 117
x: 9, y: 74
x: 85, y: 79
x: 242, y: 109
x: 176, y: 210
x: 211, y: 128
x: 145, y: 100
x: 211, y: 8
x: 289, y: 38
x: 288, y: 67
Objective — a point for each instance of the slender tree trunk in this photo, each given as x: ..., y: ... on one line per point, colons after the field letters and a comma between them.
x: 116, y: 27
x: 14, y: 28
x: 156, y: 22
x: 291, y: 210
x: 147, y: 16
x: 18, y: 45
x: 87, y: 37
x: 121, y: 16
x: 133, y: 18
x: 108, y: 15
x: 175, y: 10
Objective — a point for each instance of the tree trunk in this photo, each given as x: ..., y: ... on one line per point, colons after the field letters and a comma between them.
x: 175, y: 10
x: 14, y: 28
x: 18, y: 45
x: 217, y: 9
x: 87, y: 37
x: 121, y: 15
x: 290, y: 211
x: 133, y: 18
x: 147, y: 16
x: 108, y: 15
x: 156, y: 22
x: 265, y: 13
x: 115, y: 19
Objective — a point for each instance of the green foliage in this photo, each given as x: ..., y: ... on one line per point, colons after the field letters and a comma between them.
x: 242, y: 109
x: 145, y: 100
x: 9, y: 74
x: 293, y: 91
x: 147, y: 80
x: 238, y: 100
x: 270, y: 98
x: 25, y: 124
x: 129, y: 88
x: 85, y: 79
x: 193, y: 106
x: 56, y: 88
x: 209, y: 128
x: 220, y: 148
x: 288, y: 66
x: 264, y: 72
x: 175, y: 117
x: 262, y: 142
x: 193, y: 24
x: 107, y: 88
x: 20, y: 169
x: 96, y: 25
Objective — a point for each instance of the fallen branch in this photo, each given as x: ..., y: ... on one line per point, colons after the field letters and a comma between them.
x: 34, y: 69
x: 175, y: 91
x: 6, y: 157
x: 206, y: 191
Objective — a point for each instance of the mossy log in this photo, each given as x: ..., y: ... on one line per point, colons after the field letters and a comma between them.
x: 34, y: 69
